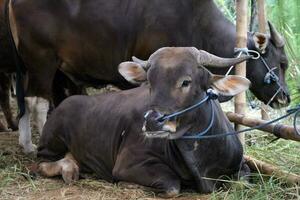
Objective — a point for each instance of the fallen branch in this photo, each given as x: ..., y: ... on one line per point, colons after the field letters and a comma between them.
x: 279, y: 130
x: 271, y: 170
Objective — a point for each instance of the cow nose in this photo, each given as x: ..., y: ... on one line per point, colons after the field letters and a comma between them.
x: 153, y: 121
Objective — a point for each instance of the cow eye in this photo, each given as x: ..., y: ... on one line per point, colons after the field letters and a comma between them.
x: 186, y: 83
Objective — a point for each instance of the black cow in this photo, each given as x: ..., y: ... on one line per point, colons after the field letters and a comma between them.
x: 103, y: 134
x: 87, y: 39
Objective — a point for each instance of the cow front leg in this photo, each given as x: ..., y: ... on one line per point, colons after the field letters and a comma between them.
x: 25, y: 130
x: 156, y: 176
x: 66, y: 167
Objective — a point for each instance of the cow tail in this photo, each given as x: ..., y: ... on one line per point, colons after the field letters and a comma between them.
x: 20, y: 66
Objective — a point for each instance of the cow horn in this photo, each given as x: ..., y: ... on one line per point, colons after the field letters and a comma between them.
x: 275, y: 36
x: 143, y: 63
x: 210, y: 60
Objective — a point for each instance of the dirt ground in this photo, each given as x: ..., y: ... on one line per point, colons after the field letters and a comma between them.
x: 16, y: 183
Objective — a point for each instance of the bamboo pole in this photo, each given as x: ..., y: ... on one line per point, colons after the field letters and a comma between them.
x: 279, y: 130
x: 262, y: 23
x: 272, y: 170
x: 241, y: 42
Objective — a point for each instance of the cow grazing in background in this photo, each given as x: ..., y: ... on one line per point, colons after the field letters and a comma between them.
x: 87, y: 39
x: 103, y: 134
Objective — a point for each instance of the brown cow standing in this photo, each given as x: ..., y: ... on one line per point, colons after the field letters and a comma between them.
x: 86, y: 39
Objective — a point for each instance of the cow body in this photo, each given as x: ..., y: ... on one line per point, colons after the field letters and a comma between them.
x: 108, y: 134
x: 104, y: 134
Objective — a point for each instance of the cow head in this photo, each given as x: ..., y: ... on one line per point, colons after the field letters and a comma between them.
x: 268, y: 88
x: 177, y: 78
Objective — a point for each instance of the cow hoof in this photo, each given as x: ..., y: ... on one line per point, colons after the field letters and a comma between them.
x: 170, y: 193
x: 70, y: 172
x: 30, y: 149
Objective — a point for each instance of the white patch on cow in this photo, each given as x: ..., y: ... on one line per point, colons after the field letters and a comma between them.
x: 40, y: 111
x: 38, y: 107
x: 196, y: 144
x: 170, y: 127
x: 25, y: 131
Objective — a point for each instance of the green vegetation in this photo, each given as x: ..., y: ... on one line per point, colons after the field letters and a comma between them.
x: 285, y: 16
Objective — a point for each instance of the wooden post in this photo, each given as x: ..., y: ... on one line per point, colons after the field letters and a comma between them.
x: 241, y: 33
x: 262, y: 28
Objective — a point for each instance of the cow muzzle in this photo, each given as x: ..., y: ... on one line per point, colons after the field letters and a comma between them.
x: 281, y: 100
x: 155, y: 126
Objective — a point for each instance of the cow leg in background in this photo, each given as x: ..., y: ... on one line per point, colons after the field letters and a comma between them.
x: 5, y: 84
x: 41, y: 68
x: 63, y: 87
x: 39, y: 108
x: 25, y: 130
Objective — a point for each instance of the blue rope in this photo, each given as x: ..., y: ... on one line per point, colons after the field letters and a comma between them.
x: 210, y: 94
x: 201, y: 134
x: 290, y: 112
x: 166, y: 117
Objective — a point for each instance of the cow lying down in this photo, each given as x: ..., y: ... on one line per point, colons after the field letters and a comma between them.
x: 110, y: 136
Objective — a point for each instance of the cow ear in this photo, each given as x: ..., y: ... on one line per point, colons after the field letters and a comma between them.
x: 229, y: 85
x: 133, y: 72
x: 261, y: 42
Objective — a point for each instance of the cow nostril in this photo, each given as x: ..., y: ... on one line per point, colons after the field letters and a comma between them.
x: 153, y: 121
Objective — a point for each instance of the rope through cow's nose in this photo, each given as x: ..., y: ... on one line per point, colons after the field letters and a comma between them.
x: 210, y: 95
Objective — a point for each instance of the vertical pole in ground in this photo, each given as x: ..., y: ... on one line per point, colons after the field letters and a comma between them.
x: 240, y: 69
x: 262, y: 28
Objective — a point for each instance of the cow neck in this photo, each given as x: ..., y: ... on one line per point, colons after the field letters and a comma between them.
x: 190, y: 151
